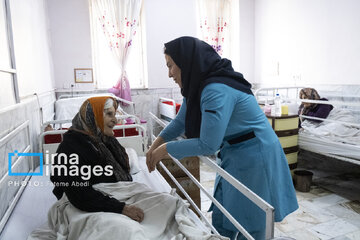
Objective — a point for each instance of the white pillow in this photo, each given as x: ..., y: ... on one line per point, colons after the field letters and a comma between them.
x: 133, y: 160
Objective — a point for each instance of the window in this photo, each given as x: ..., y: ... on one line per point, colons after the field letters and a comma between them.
x: 218, y: 25
x: 8, y: 91
x: 107, y: 70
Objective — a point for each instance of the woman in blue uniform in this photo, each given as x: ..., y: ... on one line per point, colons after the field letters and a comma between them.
x: 219, y: 112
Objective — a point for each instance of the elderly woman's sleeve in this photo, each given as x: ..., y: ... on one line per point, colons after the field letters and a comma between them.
x: 323, y: 111
x: 89, y: 200
x: 80, y: 192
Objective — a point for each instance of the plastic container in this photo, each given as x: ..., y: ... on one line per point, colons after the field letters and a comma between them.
x: 303, y: 179
x: 272, y: 110
x: 277, y: 102
x: 284, y: 109
x: 267, y: 107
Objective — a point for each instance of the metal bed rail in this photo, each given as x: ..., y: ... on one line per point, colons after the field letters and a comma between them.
x: 130, y: 103
x: 269, y: 210
x: 275, y: 90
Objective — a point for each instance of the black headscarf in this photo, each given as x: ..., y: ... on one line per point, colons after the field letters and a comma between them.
x: 201, y: 65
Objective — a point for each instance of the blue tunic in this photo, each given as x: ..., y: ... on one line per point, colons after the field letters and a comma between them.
x: 259, y: 163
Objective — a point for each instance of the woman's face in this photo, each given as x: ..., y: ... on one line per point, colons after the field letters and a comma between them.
x: 174, y: 70
x: 303, y: 96
x: 109, y: 121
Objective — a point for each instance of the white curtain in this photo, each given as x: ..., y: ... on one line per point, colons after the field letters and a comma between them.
x: 119, y: 20
x: 215, y: 17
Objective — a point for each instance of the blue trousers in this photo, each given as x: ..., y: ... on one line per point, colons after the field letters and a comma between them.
x: 217, y: 221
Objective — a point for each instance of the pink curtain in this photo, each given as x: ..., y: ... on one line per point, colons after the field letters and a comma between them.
x: 214, y: 23
x: 119, y: 20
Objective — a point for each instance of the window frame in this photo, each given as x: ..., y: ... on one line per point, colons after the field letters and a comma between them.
x: 9, y: 35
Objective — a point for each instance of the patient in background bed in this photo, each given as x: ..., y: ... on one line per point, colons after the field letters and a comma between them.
x: 91, y: 139
x: 48, y: 128
x: 313, y: 109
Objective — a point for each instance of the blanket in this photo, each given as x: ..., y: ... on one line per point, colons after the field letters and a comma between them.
x: 334, y: 131
x: 166, y: 216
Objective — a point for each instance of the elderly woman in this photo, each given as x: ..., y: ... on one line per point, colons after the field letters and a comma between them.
x: 93, y: 155
x: 313, y: 109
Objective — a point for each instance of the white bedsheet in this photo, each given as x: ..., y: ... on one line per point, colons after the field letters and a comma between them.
x: 333, y: 130
x: 32, y: 208
x: 67, y: 108
x: 165, y: 217
x: 332, y: 137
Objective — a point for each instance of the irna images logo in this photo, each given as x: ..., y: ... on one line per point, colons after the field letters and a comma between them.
x: 64, y: 166
x: 20, y: 156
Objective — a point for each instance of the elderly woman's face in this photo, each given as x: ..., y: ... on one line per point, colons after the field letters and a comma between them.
x: 303, y: 96
x: 174, y: 70
x: 109, y: 121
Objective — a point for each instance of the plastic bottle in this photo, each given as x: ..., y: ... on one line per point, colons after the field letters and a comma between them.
x: 277, y: 102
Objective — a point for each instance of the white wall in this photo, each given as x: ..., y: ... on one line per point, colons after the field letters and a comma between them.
x: 32, y: 46
x: 166, y: 20
x: 307, y: 42
x: 35, y: 75
x: 247, y: 38
x: 71, y: 41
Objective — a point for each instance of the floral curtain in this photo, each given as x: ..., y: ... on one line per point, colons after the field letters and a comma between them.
x: 214, y: 24
x: 119, y: 20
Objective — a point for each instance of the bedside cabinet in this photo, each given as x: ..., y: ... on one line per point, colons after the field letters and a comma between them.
x: 192, y: 164
x: 286, y: 128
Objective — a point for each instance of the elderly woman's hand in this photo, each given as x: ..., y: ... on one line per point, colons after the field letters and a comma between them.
x: 155, y: 156
x: 133, y: 212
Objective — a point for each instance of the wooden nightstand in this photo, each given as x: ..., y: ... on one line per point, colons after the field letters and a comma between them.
x: 286, y: 128
x: 192, y: 164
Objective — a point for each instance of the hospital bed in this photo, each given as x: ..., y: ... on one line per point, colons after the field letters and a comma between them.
x: 168, y: 109
x: 25, y: 207
x: 25, y: 202
x: 337, y: 136
x: 68, y: 105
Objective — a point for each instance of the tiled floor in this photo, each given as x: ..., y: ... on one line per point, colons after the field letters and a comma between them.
x: 322, y: 214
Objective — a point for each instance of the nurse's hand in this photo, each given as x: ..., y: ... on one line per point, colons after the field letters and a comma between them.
x: 148, y: 158
x: 156, y: 156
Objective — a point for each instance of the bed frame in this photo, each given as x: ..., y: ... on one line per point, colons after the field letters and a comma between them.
x: 125, y: 102
x: 168, y: 109
x: 312, y: 143
x: 135, y: 138
x: 267, y: 208
x: 11, y: 196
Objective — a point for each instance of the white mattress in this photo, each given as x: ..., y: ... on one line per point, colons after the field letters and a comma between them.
x: 167, y: 112
x: 31, y: 210
x: 333, y: 138
x: 67, y: 108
